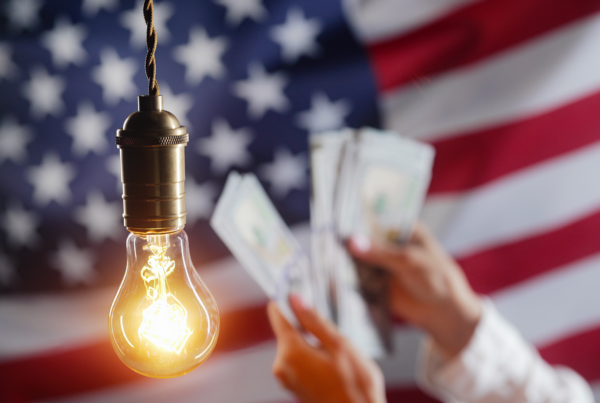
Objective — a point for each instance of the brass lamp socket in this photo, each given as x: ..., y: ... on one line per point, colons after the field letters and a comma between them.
x: 152, y: 167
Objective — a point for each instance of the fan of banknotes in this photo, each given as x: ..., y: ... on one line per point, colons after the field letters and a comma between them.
x: 366, y: 182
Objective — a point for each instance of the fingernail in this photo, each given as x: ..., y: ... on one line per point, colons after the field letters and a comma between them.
x: 297, y: 301
x: 361, y: 243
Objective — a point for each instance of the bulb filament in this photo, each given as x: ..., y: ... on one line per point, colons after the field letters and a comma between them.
x: 164, y: 321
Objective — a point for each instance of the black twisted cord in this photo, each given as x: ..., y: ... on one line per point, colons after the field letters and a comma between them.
x: 151, y: 41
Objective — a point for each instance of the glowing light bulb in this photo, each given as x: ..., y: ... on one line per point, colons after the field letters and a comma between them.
x: 163, y: 321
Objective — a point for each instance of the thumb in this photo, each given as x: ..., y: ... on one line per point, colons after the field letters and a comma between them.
x: 312, y: 322
x: 386, y: 255
x: 283, y: 330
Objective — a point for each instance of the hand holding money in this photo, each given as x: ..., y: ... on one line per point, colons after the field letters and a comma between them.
x: 363, y: 181
x: 334, y: 371
x: 428, y: 288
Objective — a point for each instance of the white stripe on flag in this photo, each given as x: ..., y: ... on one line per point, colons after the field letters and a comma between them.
x: 242, y: 377
x: 32, y: 324
x: 531, y: 201
x: 596, y: 391
x: 554, y: 305
x: 377, y: 20
x: 399, y: 368
x: 534, y: 77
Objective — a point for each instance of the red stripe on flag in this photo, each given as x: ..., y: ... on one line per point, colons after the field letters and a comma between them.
x: 505, y: 265
x: 244, y: 328
x: 471, y: 160
x: 469, y: 34
x: 580, y: 352
x: 409, y: 395
x: 412, y: 395
x: 62, y: 373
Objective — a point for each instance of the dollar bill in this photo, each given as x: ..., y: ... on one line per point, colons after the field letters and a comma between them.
x: 385, y: 178
x: 349, y: 310
x: 248, y: 223
x: 326, y: 150
x: 370, y: 183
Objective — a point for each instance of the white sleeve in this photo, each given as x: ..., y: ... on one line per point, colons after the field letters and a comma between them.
x: 497, y: 366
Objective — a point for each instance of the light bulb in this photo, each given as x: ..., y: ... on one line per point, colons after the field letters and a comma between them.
x: 163, y: 321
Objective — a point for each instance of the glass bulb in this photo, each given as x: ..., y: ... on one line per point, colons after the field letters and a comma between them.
x: 163, y: 321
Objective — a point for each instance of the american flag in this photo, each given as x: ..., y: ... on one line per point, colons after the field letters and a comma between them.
x: 508, y: 92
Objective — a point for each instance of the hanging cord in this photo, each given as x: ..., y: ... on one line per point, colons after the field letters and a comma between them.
x: 151, y: 45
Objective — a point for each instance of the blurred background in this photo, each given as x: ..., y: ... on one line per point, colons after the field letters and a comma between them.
x: 508, y: 92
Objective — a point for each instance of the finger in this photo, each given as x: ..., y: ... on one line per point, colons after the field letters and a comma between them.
x: 312, y: 322
x: 421, y: 235
x: 418, y: 234
x: 386, y: 255
x: 429, y: 243
x: 283, y: 330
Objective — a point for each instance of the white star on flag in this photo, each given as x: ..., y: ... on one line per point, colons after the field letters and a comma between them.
x: 262, y: 91
x: 75, y: 265
x: 324, y: 114
x: 102, y: 219
x: 201, y: 56
x: 23, y: 14
x: 286, y: 172
x: 65, y: 43
x: 226, y: 147
x: 44, y: 93
x: 198, y: 199
x: 91, y: 7
x: 88, y: 130
x: 13, y: 140
x: 7, y: 270
x: 8, y: 70
x: 20, y: 226
x: 51, y: 180
x: 238, y: 10
x: 113, y: 166
x: 115, y: 76
x: 297, y: 36
x: 133, y: 20
x: 178, y: 105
